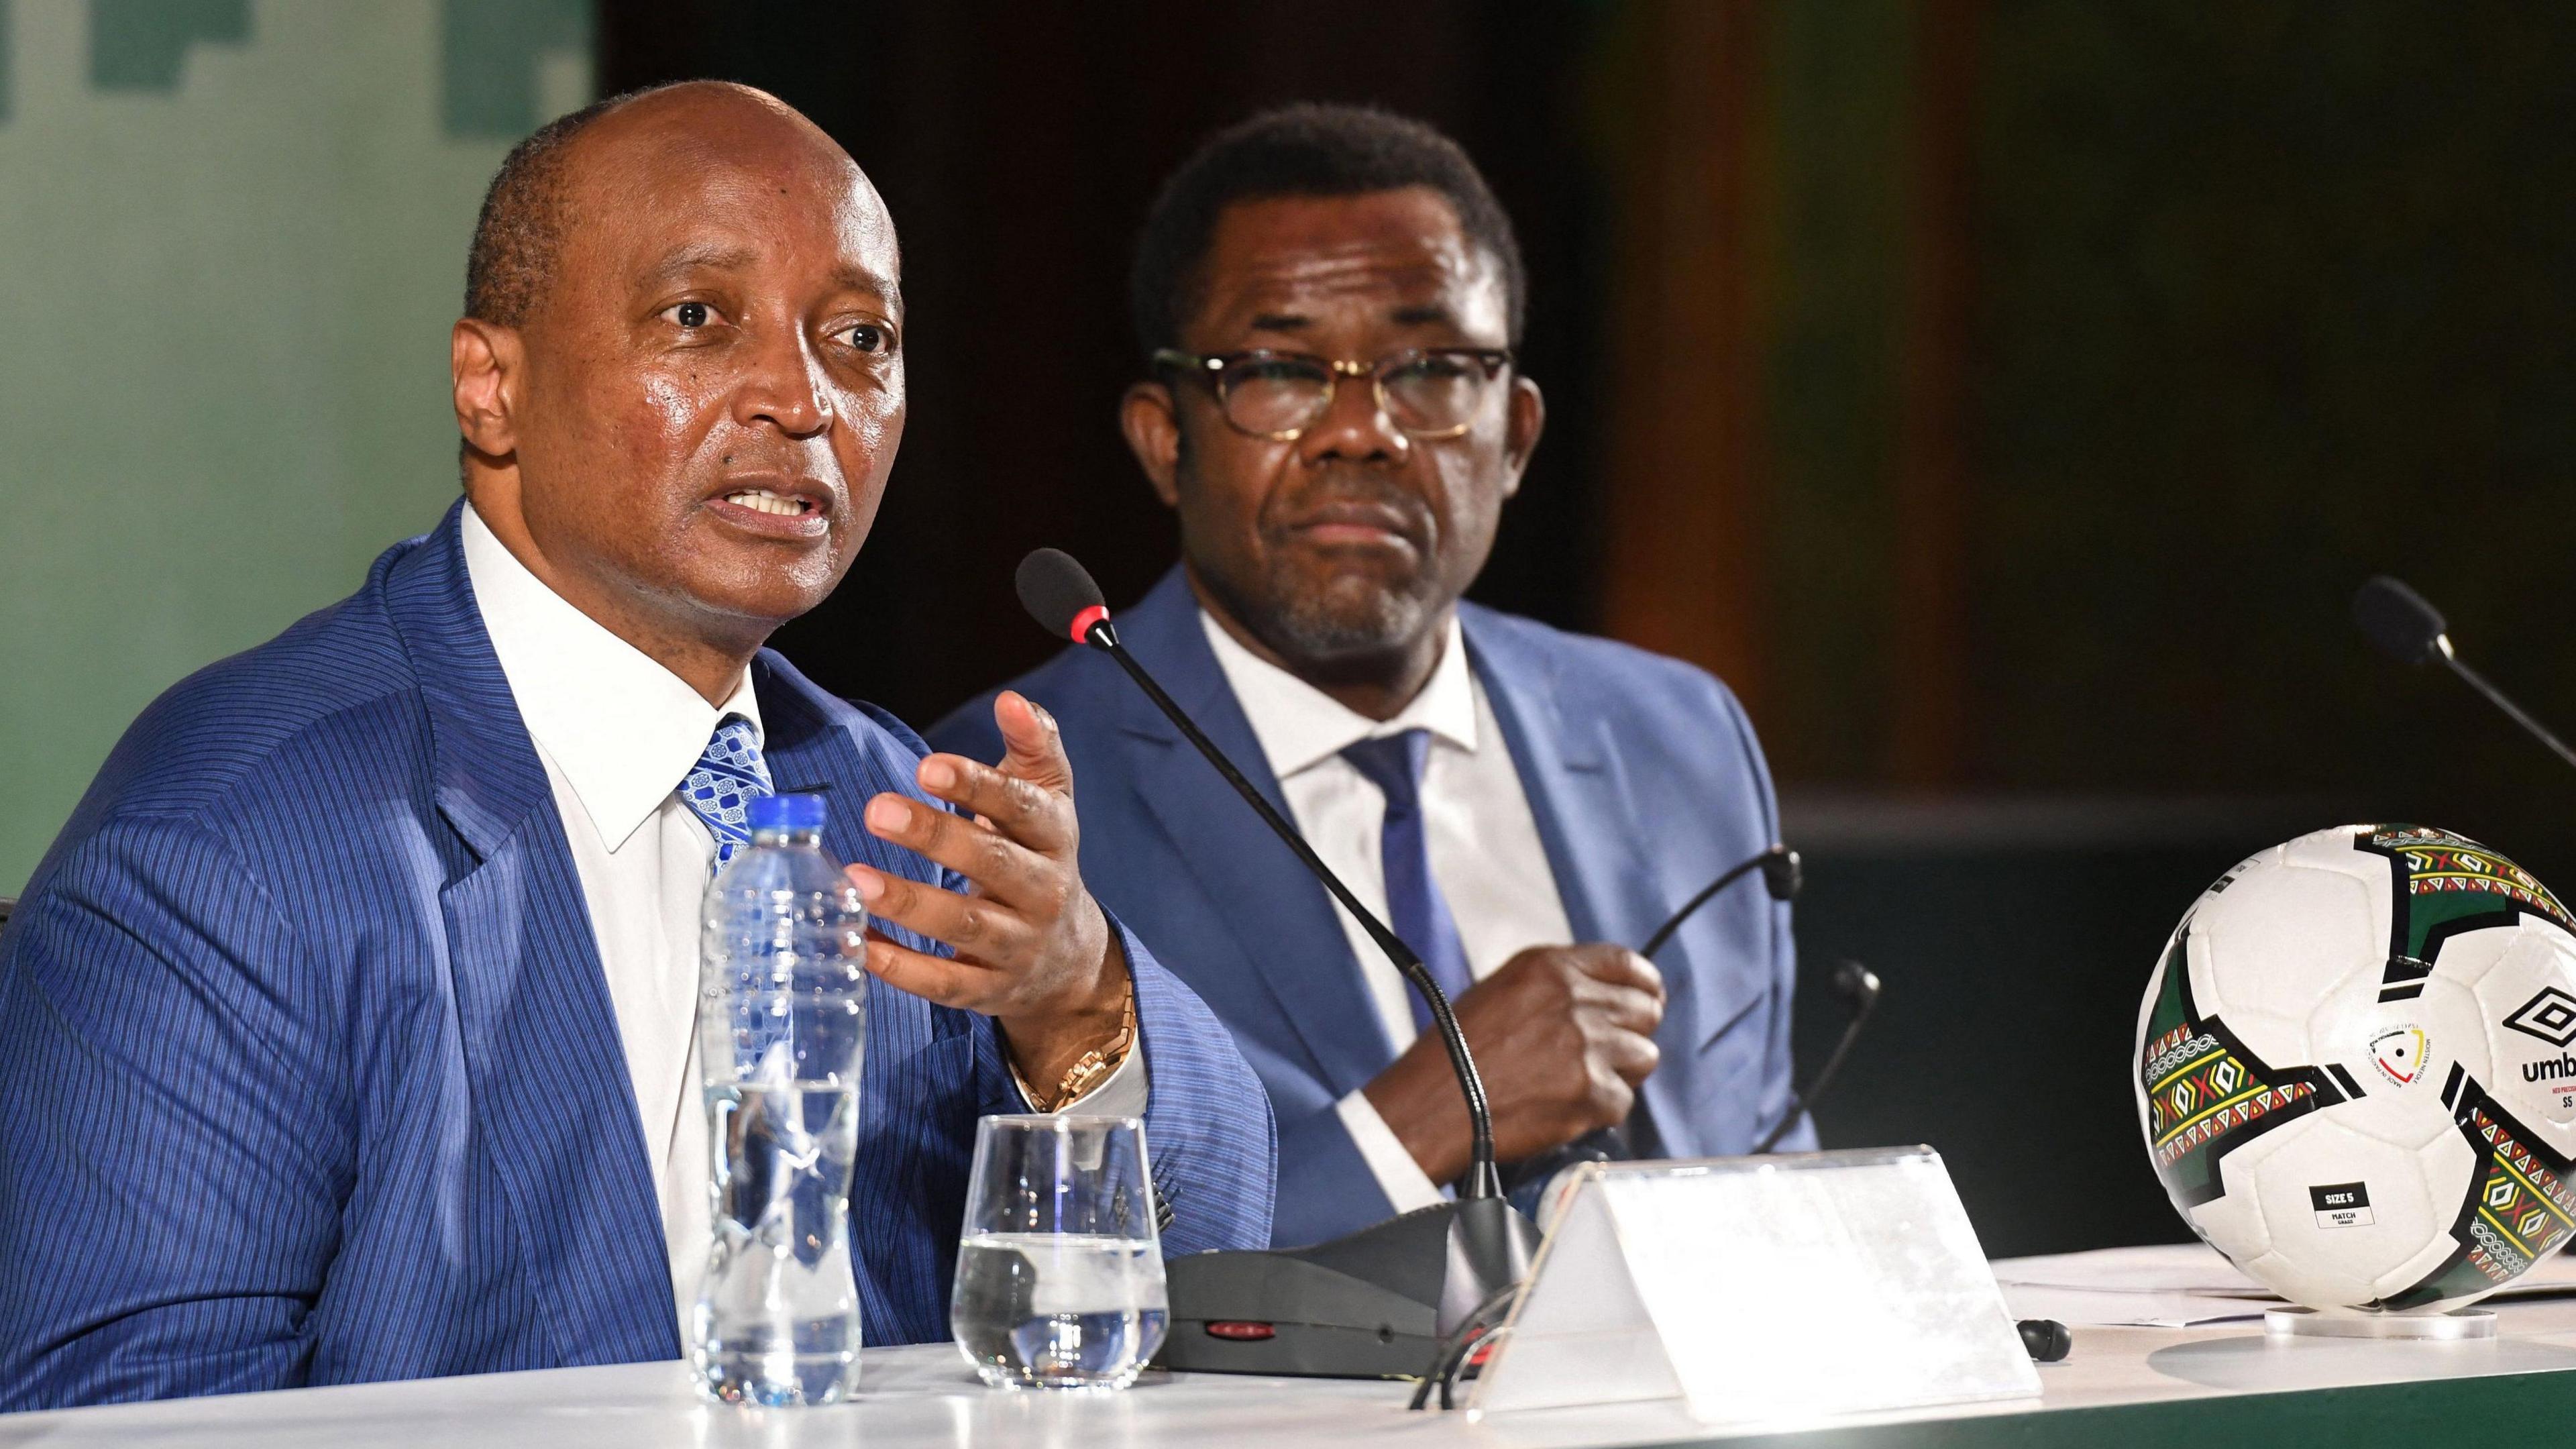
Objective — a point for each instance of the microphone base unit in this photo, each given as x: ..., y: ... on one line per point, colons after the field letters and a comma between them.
x: 1373, y: 1305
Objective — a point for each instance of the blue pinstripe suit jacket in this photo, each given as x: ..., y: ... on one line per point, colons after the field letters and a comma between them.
x: 311, y: 1073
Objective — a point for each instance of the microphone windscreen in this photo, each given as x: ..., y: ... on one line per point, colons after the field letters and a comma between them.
x: 1856, y: 983
x: 2398, y: 620
x: 1781, y: 873
x: 1056, y: 590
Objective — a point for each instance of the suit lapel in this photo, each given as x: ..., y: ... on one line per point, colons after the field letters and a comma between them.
x: 545, y: 1070
x: 1277, y: 913
x: 1576, y: 787
x: 1587, y: 818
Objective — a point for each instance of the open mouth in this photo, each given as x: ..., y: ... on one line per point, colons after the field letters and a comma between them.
x: 794, y: 510
x: 761, y: 500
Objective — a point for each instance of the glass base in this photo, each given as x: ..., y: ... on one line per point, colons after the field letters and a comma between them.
x: 778, y: 1381
x: 996, y: 1376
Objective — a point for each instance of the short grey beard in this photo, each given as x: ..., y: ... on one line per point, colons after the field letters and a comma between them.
x: 1310, y: 629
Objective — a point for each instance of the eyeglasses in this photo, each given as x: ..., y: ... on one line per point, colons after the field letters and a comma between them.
x: 1430, y: 392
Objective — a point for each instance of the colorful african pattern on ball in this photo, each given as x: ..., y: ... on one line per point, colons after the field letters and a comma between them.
x: 2207, y: 1093
x: 2437, y: 863
x: 2522, y: 1209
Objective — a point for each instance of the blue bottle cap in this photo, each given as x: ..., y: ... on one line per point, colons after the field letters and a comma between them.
x: 785, y: 812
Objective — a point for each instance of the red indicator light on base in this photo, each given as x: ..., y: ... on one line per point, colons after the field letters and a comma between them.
x: 1080, y: 628
x: 1242, y: 1332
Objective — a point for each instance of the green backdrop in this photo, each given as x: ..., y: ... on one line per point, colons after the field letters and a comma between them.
x: 235, y: 236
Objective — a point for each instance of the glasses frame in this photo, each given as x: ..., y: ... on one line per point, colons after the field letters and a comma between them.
x: 1211, y: 368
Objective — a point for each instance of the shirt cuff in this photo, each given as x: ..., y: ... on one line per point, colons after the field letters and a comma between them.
x: 1401, y: 1178
x: 1123, y: 1095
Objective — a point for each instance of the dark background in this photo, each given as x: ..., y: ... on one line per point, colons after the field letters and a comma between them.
x: 2004, y: 397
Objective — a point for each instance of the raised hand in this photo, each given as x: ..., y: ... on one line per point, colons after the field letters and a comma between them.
x: 1034, y: 951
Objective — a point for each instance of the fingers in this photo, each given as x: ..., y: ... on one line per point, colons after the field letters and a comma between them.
x: 1034, y: 746
x: 1035, y: 816
x: 1611, y: 982
x: 979, y: 927
x: 1619, y: 966
x: 1598, y: 961
x: 1623, y: 1007
x: 1033, y: 950
x: 1000, y: 867
x: 933, y: 978
x: 1631, y: 1055
x: 1612, y: 1097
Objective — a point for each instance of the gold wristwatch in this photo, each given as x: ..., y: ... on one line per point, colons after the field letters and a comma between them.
x: 1091, y: 1068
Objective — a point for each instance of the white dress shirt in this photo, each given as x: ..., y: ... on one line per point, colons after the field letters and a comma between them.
x: 617, y: 733
x: 1483, y: 841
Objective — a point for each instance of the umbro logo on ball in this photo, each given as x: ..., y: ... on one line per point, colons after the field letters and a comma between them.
x: 2550, y: 1016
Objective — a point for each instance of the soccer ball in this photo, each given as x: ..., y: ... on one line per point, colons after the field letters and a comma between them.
x: 2354, y: 1073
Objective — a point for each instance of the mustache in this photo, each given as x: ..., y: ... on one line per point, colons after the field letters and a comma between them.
x: 1354, y: 491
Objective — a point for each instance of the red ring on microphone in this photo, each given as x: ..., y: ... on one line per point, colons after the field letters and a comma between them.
x: 1082, y: 622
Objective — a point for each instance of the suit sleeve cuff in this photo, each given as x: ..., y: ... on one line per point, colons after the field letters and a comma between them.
x: 1398, y: 1175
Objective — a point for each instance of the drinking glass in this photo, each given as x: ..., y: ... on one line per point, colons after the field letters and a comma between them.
x: 1059, y: 1269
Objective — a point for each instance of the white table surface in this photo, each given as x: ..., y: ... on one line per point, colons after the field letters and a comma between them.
x: 925, y: 1395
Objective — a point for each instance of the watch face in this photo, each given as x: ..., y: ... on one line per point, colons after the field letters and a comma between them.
x: 1091, y: 1068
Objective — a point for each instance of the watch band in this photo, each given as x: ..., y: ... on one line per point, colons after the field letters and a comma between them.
x: 1091, y: 1068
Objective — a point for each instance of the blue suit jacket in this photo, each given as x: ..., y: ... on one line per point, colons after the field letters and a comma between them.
x: 311, y: 1073
x: 1646, y: 783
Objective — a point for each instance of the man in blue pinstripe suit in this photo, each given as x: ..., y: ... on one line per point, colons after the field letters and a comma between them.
x: 345, y: 1030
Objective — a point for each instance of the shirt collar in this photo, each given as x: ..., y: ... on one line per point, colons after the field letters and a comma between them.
x: 1300, y: 726
x: 619, y: 728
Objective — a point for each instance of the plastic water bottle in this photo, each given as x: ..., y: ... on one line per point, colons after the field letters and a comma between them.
x: 782, y: 1024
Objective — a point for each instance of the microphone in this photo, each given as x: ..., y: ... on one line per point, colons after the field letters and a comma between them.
x: 1059, y: 593
x: 1378, y: 1303
x: 1856, y: 986
x: 2410, y: 630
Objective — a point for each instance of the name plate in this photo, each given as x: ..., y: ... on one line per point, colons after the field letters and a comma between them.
x: 1761, y: 1290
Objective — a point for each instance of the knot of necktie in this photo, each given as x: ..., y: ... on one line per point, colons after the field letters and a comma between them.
x: 1393, y: 763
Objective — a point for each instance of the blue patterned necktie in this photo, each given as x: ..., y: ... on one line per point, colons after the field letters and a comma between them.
x: 1419, y: 913
x: 729, y: 776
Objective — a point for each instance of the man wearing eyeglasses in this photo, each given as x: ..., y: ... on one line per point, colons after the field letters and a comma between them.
x: 1329, y: 298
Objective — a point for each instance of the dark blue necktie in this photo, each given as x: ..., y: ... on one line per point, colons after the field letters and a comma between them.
x: 1419, y: 915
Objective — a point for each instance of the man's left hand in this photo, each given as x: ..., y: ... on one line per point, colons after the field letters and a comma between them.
x: 1034, y: 951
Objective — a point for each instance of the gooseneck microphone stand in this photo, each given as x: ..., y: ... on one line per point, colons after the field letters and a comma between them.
x: 1781, y: 875
x: 2406, y: 627
x: 1373, y: 1304
x: 1483, y: 1179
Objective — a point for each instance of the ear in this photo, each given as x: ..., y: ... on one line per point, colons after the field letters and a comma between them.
x: 1520, y: 431
x: 1154, y: 435
x: 483, y: 360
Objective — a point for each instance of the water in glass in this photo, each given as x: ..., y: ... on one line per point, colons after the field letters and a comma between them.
x: 1060, y: 1273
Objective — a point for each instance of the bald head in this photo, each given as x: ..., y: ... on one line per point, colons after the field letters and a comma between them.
x: 530, y: 206
x: 679, y: 379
